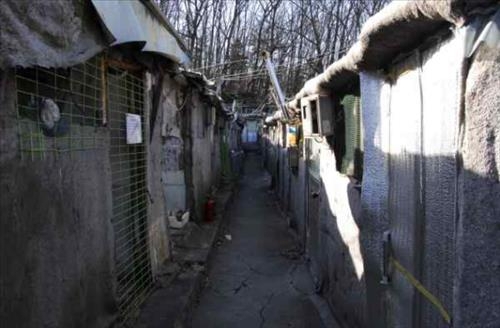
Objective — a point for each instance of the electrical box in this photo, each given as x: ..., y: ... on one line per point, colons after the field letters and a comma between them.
x: 317, y: 116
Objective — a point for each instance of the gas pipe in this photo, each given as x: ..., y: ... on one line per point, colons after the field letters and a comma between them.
x: 209, y: 210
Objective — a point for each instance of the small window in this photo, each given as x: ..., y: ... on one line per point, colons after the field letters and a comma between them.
x: 351, y: 163
x: 314, y: 116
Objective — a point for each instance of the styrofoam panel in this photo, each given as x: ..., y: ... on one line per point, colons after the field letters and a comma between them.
x: 375, y: 110
x: 405, y: 212
x: 441, y: 89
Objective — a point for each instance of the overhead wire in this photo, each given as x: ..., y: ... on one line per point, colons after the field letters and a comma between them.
x: 298, y: 64
x: 263, y: 72
x: 244, y: 74
x: 258, y: 72
x: 221, y: 64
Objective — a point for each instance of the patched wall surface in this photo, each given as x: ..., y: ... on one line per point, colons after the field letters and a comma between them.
x: 440, y: 209
x: 375, y: 189
x: 157, y: 211
x: 202, y: 145
x: 56, y: 236
x: 328, y: 228
x: 478, y: 269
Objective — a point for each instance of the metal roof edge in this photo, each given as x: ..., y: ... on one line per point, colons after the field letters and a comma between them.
x: 156, y: 11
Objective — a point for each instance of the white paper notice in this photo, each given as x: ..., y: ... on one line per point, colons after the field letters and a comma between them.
x: 134, y: 129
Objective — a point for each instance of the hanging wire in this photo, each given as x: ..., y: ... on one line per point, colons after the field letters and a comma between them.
x: 289, y: 65
x: 221, y: 64
x: 257, y: 73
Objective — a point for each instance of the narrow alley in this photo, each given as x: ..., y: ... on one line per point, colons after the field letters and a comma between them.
x: 258, y: 277
x: 249, y: 164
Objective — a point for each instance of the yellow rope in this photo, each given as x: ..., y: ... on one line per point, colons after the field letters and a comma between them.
x: 427, y: 294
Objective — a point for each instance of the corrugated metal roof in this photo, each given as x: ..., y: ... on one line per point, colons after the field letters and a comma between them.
x: 135, y: 21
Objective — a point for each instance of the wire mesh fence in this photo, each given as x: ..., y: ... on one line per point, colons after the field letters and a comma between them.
x: 86, y: 107
x: 59, y: 110
x: 125, y: 94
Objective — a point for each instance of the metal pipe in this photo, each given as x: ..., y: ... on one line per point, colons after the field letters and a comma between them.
x: 280, y: 97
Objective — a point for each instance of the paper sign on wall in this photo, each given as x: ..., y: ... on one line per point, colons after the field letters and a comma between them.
x: 134, y: 129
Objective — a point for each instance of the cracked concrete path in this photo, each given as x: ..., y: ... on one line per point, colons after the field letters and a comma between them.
x: 257, y: 279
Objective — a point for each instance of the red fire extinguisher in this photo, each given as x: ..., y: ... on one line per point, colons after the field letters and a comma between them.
x: 210, y: 209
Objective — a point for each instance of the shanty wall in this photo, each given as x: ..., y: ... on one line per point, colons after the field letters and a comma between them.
x: 340, y: 260
x: 191, y: 130
x: 430, y: 179
x: 477, y: 282
x: 289, y: 185
x: 436, y: 193
x: 231, y: 148
x: 204, y: 152
x: 58, y: 247
x: 326, y: 226
x: 56, y: 244
x: 173, y: 164
x: 158, y: 234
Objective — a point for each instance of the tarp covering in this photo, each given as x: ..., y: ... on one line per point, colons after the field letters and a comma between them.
x: 396, y: 29
x: 56, y: 33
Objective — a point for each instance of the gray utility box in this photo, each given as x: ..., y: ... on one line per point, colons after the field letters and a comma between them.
x: 317, y: 116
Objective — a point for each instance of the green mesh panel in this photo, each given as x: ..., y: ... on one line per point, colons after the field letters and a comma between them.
x: 351, y: 163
